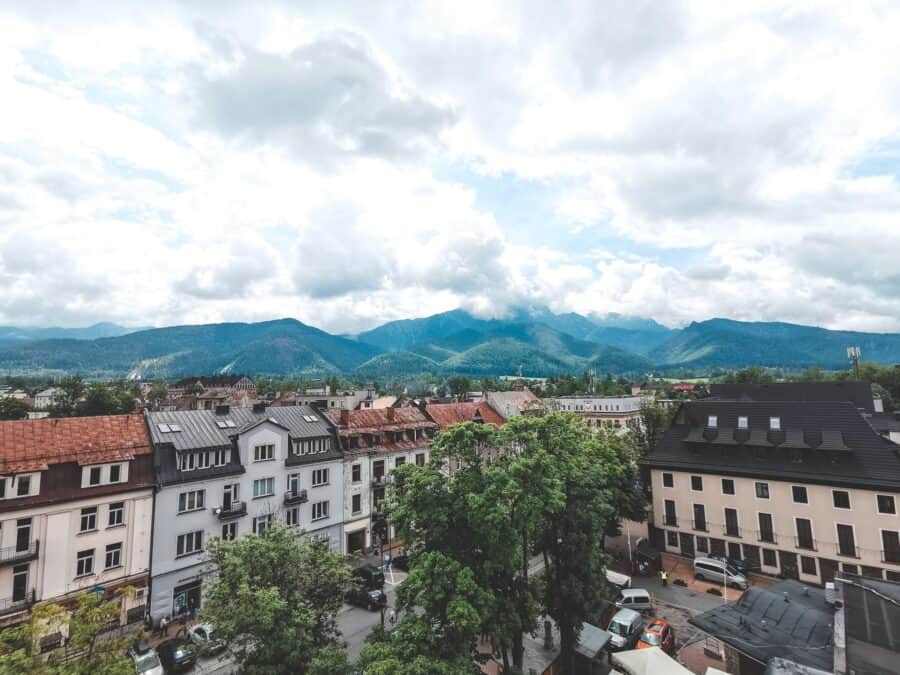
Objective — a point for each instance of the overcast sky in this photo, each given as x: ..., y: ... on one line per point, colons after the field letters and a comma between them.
x: 168, y: 163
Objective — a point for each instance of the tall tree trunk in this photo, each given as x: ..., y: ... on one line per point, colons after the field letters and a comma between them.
x: 505, y: 654
x: 518, y: 648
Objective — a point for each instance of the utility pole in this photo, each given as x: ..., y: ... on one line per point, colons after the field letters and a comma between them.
x: 853, y: 355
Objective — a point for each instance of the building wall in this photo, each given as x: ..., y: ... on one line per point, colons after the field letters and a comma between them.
x: 863, y: 516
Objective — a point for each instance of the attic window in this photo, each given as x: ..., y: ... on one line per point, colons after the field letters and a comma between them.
x: 225, y: 424
x: 742, y: 422
x: 712, y: 422
x: 168, y: 428
x: 775, y: 423
x: 310, y: 418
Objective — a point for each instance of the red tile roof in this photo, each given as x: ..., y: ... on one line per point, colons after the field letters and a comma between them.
x: 33, y: 445
x: 447, y: 414
x: 379, y: 420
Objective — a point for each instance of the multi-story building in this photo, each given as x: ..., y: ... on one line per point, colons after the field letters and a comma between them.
x: 448, y: 414
x: 230, y: 471
x: 375, y: 442
x: 513, y: 403
x: 802, y: 489
x: 76, y: 509
x: 345, y: 399
x: 613, y: 412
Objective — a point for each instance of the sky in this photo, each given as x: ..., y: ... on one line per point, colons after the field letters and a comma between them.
x: 351, y: 163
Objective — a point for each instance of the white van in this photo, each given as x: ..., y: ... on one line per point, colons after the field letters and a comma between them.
x: 718, y: 571
x: 637, y: 599
x: 618, y: 579
x: 625, y: 630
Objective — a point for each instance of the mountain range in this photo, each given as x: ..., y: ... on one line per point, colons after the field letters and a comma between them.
x: 534, y: 340
x: 12, y: 335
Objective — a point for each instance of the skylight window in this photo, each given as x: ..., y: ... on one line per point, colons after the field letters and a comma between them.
x: 174, y: 427
x: 225, y: 424
x: 712, y: 422
x: 311, y: 418
x: 742, y: 422
x: 775, y: 423
x: 163, y: 428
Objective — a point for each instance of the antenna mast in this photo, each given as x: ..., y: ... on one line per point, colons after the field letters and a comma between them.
x: 853, y: 355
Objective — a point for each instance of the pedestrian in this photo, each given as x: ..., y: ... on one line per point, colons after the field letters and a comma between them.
x: 393, y: 617
x: 664, y: 577
x: 164, y: 627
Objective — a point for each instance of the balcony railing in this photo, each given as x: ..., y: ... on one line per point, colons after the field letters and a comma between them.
x: 381, y: 481
x: 892, y: 557
x: 766, y: 537
x: 12, y: 555
x: 295, y: 497
x: 851, y: 551
x: 10, y: 606
x: 700, y: 525
x: 671, y: 521
x: 729, y: 531
x: 805, y: 543
x: 234, y: 510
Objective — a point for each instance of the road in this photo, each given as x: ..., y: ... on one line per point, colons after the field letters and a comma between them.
x: 356, y: 622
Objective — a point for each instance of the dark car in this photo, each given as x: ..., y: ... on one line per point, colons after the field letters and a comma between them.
x: 739, y: 565
x: 370, y: 599
x: 371, y: 576
x: 177, y: 655
x: 400, y: 562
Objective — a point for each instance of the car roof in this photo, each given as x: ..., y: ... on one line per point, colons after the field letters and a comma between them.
x: 626, y: 615
x: 657, y: 624
x: 627, y: 592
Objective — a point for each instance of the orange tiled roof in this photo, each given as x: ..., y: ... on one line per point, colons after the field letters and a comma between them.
x: 33, y: 445
x: 379, y: 420
x: 447, y: 414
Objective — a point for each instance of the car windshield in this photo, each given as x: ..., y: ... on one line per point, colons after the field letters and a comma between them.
x: 650, y: 638
x: 147, y: 662
x: 732, y: 572
x: 617, y: 628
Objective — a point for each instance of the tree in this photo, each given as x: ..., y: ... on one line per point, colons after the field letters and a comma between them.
x: 442, y: 607
x: 99, y: 654
x: 459, y: 385
x: 751, y: 375
x: 71, y: 390
x: 13, y: 409
x: 654, y: 421
x: 289, y: 589
x: 157, y: 393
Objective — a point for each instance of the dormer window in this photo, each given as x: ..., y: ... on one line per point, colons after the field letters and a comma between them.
x: 743, y: 422
x: 104, y: 474
x: 775, y: 423
x: 712, y: 422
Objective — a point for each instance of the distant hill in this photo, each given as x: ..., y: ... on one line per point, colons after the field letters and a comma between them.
x: 280, y: 347
x: 397, y: 363
x: 13, y: 335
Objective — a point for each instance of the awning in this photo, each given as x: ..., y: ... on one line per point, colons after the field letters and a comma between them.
x: 650, y: 661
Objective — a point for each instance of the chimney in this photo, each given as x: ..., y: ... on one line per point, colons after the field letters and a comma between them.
x: 391, y: 413
x: 259, y: 408
x: 345, y: 417
x: 222, y: 409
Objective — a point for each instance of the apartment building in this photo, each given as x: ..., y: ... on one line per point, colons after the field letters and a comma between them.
x: 612, y: 412
x: 804, y: 489
x: 76, y: 507
x: 448, y: 414
x: 374, y: 443
x: 230, y: 471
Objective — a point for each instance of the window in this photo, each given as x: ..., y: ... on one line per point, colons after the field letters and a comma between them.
x: 88, y: 519
x: 203, y: 460
x: 799, y: 493
x: 846, y: 540
x: 85, y: 563
x: 229, y: 531
x: 700, y: 517
x: 356, y: 473
x: 886, y: 504
x: 670, y: 517
x: 399, y: 461
x: 420, y: 459
x: 768, y: 558
x: 697, y: 483
x: 808, y: 565
x: 193, y: 500
x: 762, y: 490
x: 732, y: 529
x: 742, y: 422
x: 703, y: 544
x: 841, y: 499
x: 2, y: 488
x: 262, y: 523
x: 95, y: 475
x: 319, y: 510
x: 890, y: 546
x: 292, y: 517
x: 293, y: 483
x: 378, y: 468
x: 186, y: 462
x: 775, y: 423
x: 220, y: 457
x: 113, y: 555
x: 668, y: 480
x: 671, y: 538
x: 766, y: 528
x: 319, y: 477
x: 115, y: 473
x: 263, y: 487
x: 804, y: 534
x: 727, y: 486
x: 24, y: 486
x: 712, y: 422
x: 192, y: 542
x: 116, y: 514
x: 356, y: 503
x: 263, y: 453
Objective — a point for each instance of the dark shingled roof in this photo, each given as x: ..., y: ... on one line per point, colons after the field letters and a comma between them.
x: 790, y: 620
x: 843, y: 448
x: 871, y: 624
x: 858, y: 393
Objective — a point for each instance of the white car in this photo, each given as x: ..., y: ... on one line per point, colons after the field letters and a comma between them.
x: 204, y: 636
x: 146, y: 660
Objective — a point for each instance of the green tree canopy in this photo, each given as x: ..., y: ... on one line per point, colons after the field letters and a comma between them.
x: 13, y: 409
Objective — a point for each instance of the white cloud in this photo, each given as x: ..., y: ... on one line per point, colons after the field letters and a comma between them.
x: 176, y: 162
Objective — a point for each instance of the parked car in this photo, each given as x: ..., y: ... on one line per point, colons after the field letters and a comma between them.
x: 742, y: 566
x: 177, y: 655
x: 146, y: 660
x: 637, y: 599
x: 626, y: 628
x: 618, y: 579
x: 203, y: 636
x: 718, y: 571
x: 371, y: 599
x: 658, y: 634
x: 400, y: 562
x: 371, y: 575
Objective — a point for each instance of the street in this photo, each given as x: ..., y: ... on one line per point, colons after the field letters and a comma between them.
x: 356, y: 622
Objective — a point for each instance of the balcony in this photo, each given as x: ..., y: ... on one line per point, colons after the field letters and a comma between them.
x: 892, y: 557
x: 699, y: 525
x: 381, y: 481
x: 13, y: 555
x: 847, y: 550
x: 732, y: 531
x: 234, y: 510
x: 295, y: 497
x: 670, y: 521
x: 766, y: 537
x: 806, y: 543
x: 10, y: 606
